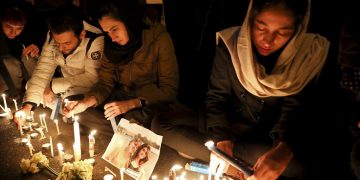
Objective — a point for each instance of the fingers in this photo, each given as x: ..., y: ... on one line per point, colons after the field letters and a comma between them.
x: 31, y: 50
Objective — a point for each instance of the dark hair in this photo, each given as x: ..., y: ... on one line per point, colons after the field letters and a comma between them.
x: 143, y: 160
x: 297, y: 7
x: 127, y: 11
x: 66, y: 18
x: 14, y: 15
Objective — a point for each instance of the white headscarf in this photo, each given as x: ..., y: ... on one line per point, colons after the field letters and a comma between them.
x: 300, y: 61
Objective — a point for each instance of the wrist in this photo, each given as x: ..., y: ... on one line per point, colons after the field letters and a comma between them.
x: 90, y: 101
x: 27, y: 107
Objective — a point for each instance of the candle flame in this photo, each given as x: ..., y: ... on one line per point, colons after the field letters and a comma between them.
x: 93, y: 132
x: 60, y: 146
x: 209, y: 144
x: 176, y: 167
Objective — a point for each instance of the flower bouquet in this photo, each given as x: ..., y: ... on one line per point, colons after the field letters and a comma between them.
x: 76, y: 170
x: 33, y: 165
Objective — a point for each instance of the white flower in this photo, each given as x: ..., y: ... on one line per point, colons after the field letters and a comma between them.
x: 77, y: 170
x: 33, y: 165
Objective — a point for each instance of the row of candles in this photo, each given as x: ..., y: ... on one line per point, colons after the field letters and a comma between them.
x: 42, y: 119
x: 77, y: 146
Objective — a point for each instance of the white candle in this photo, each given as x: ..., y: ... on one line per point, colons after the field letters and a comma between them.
x: 41, y: 122
x: 77, y: 152
x: 20, y: 124
x: 108, y: 177
x: 45, y: 123
x: 122, y: 170
x: 92, y: 143
x: 77, y: 145
x: 51, y: 147
x: 4, y: 99
x: 15, y: 103
x: 57, y: 126
x: 60, y: 151
x: 239, y: 166
x: 30, y: 148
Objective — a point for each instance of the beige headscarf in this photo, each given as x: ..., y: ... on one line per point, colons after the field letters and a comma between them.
x: 301, y: 60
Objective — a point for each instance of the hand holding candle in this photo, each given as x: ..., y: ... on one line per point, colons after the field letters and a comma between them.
x: 239, y: 165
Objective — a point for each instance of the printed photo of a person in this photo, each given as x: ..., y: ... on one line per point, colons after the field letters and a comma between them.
x: 134, y: 148
x: 140, y: 157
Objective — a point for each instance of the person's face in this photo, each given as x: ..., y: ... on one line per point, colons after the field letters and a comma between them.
x: 115, y: 29
x: 67, y: 42
x: 271, y: 30
x: 143, y: 152
x: 12, y: 30
x: 132, y: 147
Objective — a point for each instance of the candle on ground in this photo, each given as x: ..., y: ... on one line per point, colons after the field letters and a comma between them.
x: 57, y: 126
x: 51, y: 147
x: 60, y: 151
x: 5, y: 104
x: 92, y: 143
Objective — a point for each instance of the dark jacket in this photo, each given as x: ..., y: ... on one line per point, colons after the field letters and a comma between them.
x: 232, y: 113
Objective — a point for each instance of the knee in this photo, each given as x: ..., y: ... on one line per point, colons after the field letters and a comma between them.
x: 158, y: 124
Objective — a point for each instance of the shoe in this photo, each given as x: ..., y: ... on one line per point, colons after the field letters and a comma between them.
x: 186, y: 156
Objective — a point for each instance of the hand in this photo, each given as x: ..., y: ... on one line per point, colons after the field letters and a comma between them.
x: 116, y: 108
x: 31, y: 50
x: 48, y: 96
x: 226, y: 146
x: 74, y: 107
x: 273, y: 163
x: 21, y: 114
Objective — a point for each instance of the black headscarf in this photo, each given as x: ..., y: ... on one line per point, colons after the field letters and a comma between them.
x: 131, y: 15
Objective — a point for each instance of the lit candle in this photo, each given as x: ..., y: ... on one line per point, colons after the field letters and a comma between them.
x: 30, y: 148
x: 172, y: 173
x: 57, y: 126
x: 153, y: 177
x: 122, y: 170
x: 77, y: 153
x: 41, y: 122
x: 108, y: 177
x: 51, y: 147
x: 20, y: 122
x: 238, y: 165
x: 60, y: 151
x: 92, y: 143
x: 15, y: 103
x: 5, y: 104
x: 46, y: 128
x: 77, y: 145
x: 34, y: 135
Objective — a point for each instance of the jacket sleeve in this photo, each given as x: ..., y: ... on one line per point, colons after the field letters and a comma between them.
x: 42, y: 74
x: 90, y: 76
x: 293, y: 118
x: 107, y: 78
x: 168, y: 75
x: 219, y: 92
